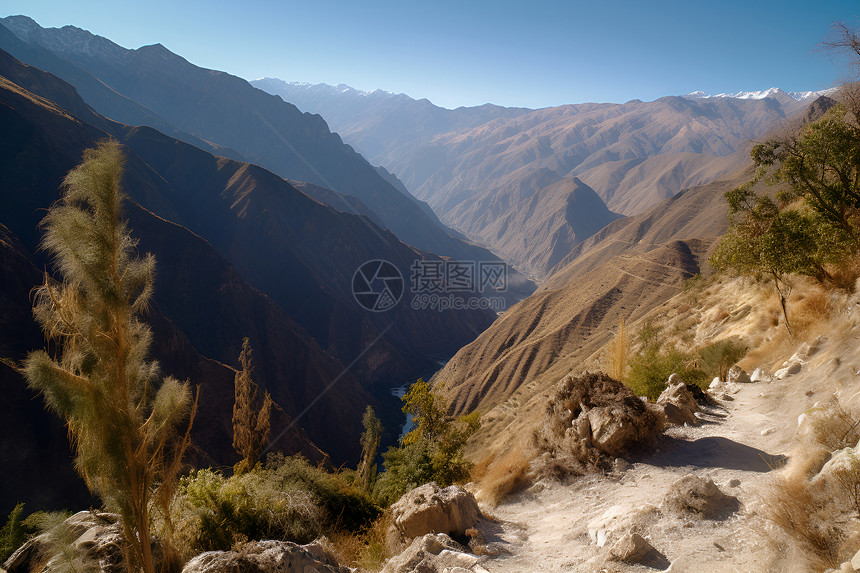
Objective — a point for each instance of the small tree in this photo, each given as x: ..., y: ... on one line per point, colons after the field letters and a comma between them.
x: 770, y: 240
x: 251, y: 418
x: 432, y: 450
x: 122, y: 417
x: 370, y: 439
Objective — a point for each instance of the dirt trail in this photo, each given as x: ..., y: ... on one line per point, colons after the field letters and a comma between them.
x: 556, y: 527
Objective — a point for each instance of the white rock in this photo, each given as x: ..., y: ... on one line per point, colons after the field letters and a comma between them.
x: 761, y: 375
x: 855, y: 561
x: 767, y: 431
x: 715, y: 384
x: 790, y: 370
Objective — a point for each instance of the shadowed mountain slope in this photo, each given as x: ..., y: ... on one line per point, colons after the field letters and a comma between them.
x: 234, y: 225
x: 228, y: 111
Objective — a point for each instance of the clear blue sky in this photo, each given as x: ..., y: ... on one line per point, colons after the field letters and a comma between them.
x: 467, y: 52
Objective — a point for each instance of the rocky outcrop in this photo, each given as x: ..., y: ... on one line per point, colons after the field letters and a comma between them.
x: 435, y: 553
x: 696, y: 496
x: 96, y: 540
x: 432, y: 509
x: 591, y: 420
x: 266, y: 557
x: 678, y: 404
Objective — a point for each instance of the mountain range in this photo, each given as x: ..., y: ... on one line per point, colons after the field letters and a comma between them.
x: 225, y: 115
x: 633, y: 155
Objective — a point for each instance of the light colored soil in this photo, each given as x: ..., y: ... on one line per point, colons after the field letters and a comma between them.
x: 552, y: 527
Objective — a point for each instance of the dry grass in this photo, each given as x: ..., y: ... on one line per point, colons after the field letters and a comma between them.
x: 833, y: 427
x: 503, y: 476
x: 619, y: 352
x: 806, y: 518
x: 809, y: 310
x: 367, y: 550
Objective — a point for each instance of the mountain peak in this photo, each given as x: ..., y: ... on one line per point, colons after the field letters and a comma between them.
x: 761, y: 94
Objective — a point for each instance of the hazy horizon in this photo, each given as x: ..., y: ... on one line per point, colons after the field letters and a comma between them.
x: 456, y: 55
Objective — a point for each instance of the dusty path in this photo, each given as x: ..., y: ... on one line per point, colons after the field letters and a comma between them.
x: 555, y: 527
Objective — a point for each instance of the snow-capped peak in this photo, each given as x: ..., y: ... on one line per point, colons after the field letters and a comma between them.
x: 761, y: 94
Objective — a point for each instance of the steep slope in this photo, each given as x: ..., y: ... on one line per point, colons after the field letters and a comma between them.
x: 228, y: 111
x: 299, y: 252
x: 536, y: 221
x: 201, y: 292
x: 635, y: 184
x: 36, y: 460
x: 101, y: 96
x: 625, y: 270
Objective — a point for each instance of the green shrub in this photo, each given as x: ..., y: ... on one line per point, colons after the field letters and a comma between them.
x: 431, y: 451
x: 717, y: 358
x: 13, y: 534
x: 406, y: 467
x: 651, y: 367
x: 286, y: 499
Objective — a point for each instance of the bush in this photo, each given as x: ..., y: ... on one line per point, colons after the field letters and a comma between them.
x: 651, y: 367
x: 504, y: 475
x: 431, y: 451
x: 717, y: 358
x: 288, y: 499
x: 12, y: 535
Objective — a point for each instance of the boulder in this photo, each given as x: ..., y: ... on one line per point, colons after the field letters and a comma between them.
x: 790, y: 369
x: 97, y: 540
x: 738, y: 375
x: 432, y: 509
x: 591, y: 420
x: 265, y: 557
x: 678, y: 404
x: 760, y: 375
x: 694, y: 495
x: 433, y: 553
x: 635, y: 549
x: 806, y: 350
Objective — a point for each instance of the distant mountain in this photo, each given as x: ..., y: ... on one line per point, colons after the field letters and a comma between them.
x: 632, y: 155
x: 227, y: 111
x: 770, y: 92
x: 377, y: 122
x: 537, y: 221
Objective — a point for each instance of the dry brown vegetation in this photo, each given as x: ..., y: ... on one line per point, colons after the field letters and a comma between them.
x: 503, y: 476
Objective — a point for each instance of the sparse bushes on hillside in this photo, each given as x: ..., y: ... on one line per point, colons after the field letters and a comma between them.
x: 813, y: 223
x: 815, y: 502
